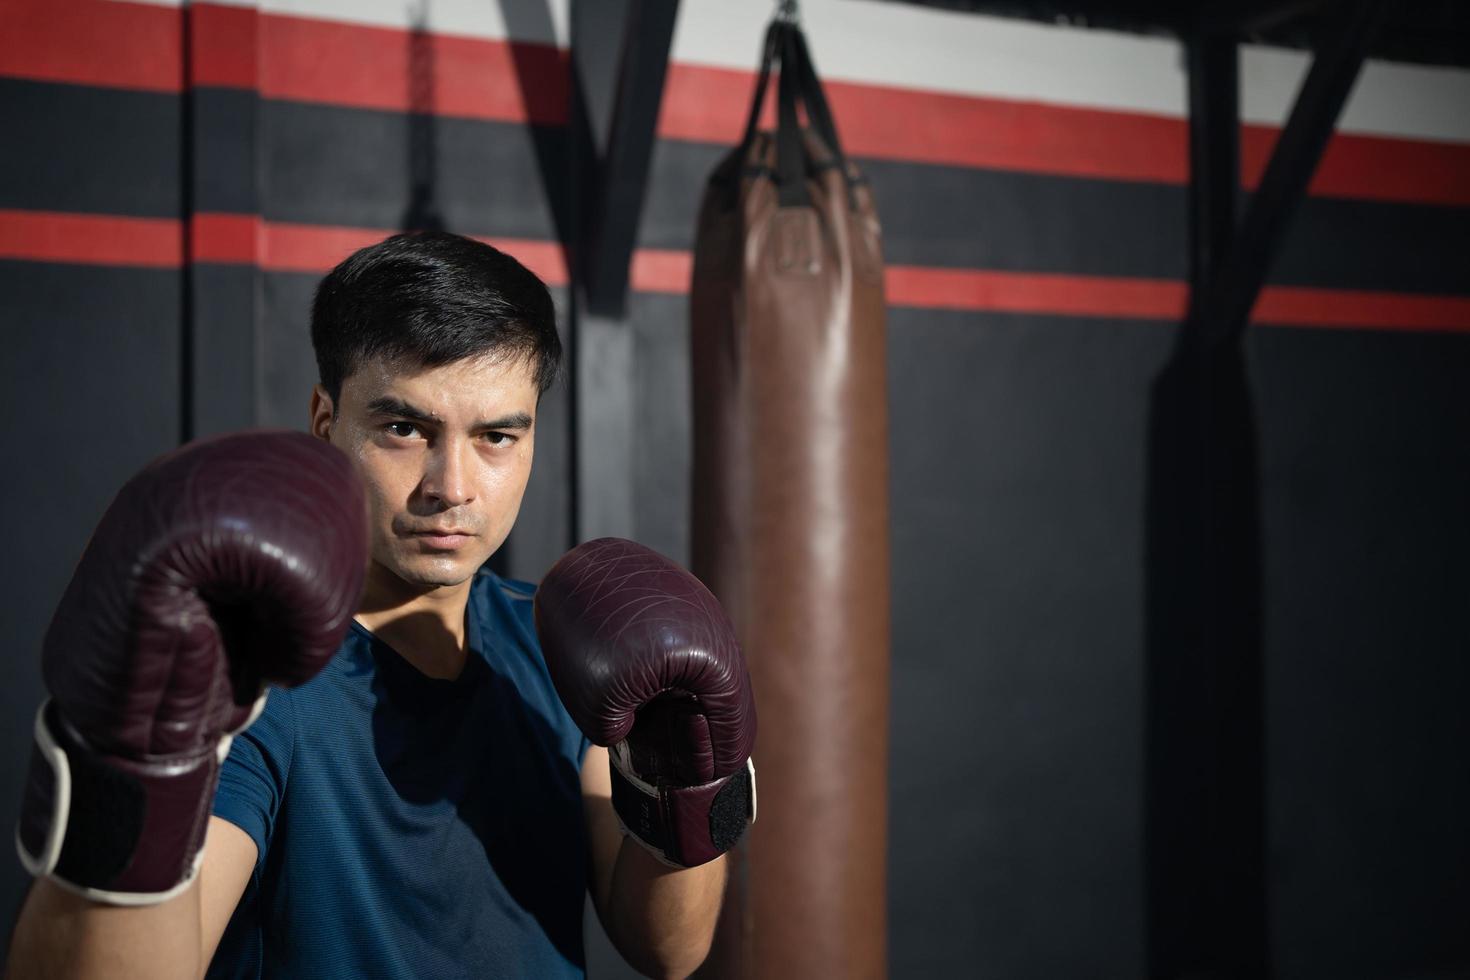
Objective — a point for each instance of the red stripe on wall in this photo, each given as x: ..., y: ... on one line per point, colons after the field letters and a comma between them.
x: 316, y: 248
x: 43, y: 236
x: 92, y: 42
x: 224, y: 44
x: 225, y: 238
x: 1013, y: 292
x: 127, y: 45
x: 1372, y: 167
x: 382, y: 68
x: 1159, y: 299
x: 661, y: 270
x: 137, y: 46
x: 47, y: 236
x: 710, y: 105
x: 1304, y: 307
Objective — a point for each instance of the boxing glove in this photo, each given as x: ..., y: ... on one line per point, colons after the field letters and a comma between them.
x: 222, y: 567
x: 646, y: 662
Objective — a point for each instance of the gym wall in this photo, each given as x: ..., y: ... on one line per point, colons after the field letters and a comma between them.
x: 1031, y: 181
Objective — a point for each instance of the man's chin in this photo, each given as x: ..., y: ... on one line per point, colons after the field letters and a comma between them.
x: 435, y: 573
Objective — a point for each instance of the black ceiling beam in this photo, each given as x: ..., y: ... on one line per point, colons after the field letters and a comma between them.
x: 1221, y: 315
x: 1204, y: 852
x: 1426, y: 32
x: 1256, y: 16
x: 1205, y: 795
x: 1214, y: 152
x: 615, y: 166
x: 619, y: 58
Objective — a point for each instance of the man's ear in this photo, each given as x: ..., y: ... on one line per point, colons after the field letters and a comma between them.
x: 322, y: 413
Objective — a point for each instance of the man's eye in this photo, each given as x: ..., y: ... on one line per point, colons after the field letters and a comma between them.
x: 401, y: 429
x: 499, y: 438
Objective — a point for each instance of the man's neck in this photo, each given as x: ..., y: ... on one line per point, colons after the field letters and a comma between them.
x: 427, y: 629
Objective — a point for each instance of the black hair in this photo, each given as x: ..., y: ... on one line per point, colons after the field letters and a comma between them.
x: 431, y: 298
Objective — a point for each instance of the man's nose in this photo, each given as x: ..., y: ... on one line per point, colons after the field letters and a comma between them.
x: 449, y: 476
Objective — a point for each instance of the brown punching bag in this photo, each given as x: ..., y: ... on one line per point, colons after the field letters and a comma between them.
x: 790, y: 515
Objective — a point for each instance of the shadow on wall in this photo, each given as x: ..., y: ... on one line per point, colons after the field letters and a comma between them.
x: 535, y: 66
x: 422, y: 213
x: 1204, y: 801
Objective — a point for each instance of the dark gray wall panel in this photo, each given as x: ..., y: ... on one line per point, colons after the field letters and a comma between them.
x: 336, y: 166
x: 287, y: 367
x: 91, y: 378
x: 1017, y: 670
x: 1366, y: 463
x: 543, y: 530
x: 223, y: 380
x: 1017, y: 482
x: 662, y: 434
x: 71, y: 148
x: 990, y: 219
x: 223, y: 137
x: 1376, y: 245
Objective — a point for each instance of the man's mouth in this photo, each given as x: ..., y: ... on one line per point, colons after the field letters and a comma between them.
x: 438, y: 540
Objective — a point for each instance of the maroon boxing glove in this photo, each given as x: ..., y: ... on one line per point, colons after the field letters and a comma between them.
x: 224, y: 566
x: 646, y: 662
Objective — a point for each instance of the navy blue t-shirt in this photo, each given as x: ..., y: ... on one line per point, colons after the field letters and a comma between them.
x: 413, y: 827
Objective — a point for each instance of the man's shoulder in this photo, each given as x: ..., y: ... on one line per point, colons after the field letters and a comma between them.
x: 506, y: 607
x: 494, y: 589
x: 514, y: 589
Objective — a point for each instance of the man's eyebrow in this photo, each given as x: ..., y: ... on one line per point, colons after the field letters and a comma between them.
x: 515, y: 420
x: 396, y: 406
x: 402, y: 409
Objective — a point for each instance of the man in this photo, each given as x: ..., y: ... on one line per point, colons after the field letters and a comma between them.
x: 425, y: 806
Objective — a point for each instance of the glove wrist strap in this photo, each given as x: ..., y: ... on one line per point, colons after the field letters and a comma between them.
x: 114, y: 830
x: 683, y: 826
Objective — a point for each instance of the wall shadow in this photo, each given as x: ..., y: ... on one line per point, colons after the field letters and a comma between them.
x: 553, y: 115
x: 422, y: 213
x: 1204, y: 803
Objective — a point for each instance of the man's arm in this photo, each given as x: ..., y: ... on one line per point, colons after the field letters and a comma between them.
x: 221, y: 568
x: 62, y: 935
x: 647, y: 665
x: 662, y: 919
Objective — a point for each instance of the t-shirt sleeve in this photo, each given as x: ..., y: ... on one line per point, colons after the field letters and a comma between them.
x: 252, y: 780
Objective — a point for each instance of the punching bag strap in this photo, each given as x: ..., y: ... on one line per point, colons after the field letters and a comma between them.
x: 790, y: 154
x: 818, y: 111
x: 768, y: 57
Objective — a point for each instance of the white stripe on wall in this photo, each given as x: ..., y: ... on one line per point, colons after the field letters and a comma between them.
x: 907, y: 46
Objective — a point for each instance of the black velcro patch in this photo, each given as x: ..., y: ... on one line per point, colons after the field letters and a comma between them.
x: 730, y: 811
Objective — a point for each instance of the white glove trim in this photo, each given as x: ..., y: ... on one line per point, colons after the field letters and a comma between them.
x: 42, y: 864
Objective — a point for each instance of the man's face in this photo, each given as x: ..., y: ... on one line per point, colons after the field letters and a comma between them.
x: 444, y: 452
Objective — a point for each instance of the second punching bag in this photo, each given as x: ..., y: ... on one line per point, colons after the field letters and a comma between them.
x: 790, y: 512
